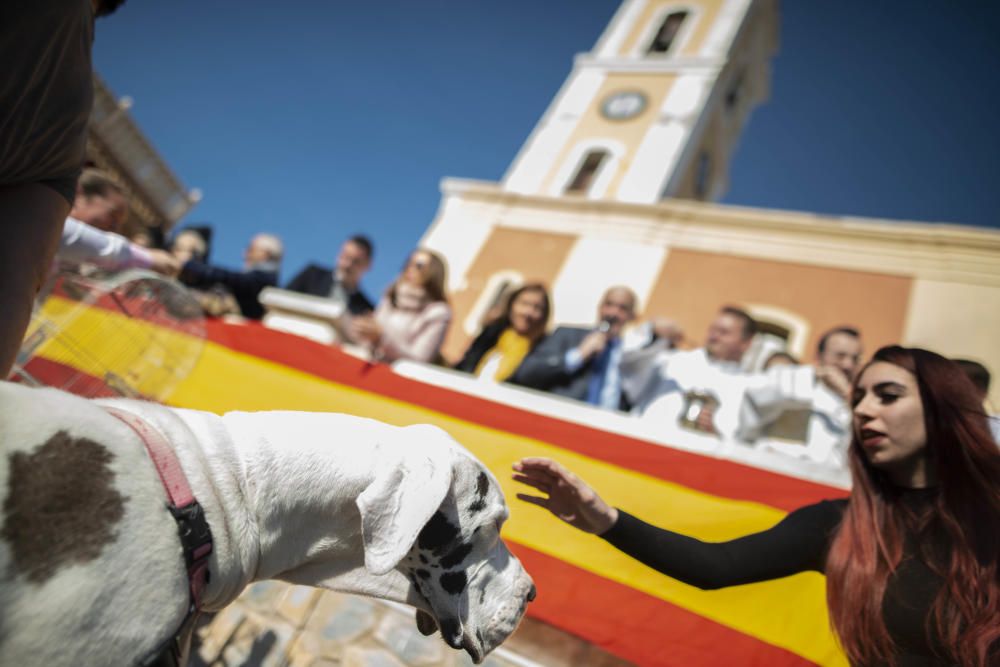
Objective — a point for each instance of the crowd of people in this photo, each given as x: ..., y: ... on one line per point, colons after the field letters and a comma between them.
x: 643, y: 368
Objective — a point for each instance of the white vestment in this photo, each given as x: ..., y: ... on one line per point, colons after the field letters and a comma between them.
x: 658, y: 382
x: 789, y: 411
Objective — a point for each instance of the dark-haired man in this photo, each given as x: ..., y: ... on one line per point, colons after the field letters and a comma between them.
x: 343, y: 282
x: 699, y: 389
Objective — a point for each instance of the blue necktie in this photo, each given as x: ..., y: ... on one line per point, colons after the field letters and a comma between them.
x: 598, y: 370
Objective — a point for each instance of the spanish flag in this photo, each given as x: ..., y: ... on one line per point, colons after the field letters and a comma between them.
x: 585, y: 586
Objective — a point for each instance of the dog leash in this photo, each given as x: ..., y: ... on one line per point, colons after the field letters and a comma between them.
x: 192, y: 527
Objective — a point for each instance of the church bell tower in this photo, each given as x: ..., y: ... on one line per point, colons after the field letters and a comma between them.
x: 656, y: 108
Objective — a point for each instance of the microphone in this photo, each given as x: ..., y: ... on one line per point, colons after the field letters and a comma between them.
x: 605, y: 325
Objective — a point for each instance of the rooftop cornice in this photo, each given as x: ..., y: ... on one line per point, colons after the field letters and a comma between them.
x: 921, y: 250
x: 727, y: 215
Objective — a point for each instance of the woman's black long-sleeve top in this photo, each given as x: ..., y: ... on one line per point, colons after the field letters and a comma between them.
x: 798, y: 543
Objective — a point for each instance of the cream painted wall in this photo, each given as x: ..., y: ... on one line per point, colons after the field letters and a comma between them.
x: 457, y: 237
x: 619, y: 29
x: 656, y: 158
x: 548, y: 140
x: 957, y: 320
x: 594, y: 265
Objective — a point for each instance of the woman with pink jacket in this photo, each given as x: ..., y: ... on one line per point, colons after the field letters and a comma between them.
x: 412, y: 318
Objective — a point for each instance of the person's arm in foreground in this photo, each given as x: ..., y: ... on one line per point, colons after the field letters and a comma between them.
x: 796, y: 543
x: 82, y: 243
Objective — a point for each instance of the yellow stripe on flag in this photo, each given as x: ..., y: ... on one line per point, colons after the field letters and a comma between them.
x: 149, y: 358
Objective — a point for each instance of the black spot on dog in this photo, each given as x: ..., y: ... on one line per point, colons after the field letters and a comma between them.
x: 477, y: 506
x: 453, y: 582
x: 61, y: 506
x: 456, y: 556
x: 437, y: 533
x: 423, y: 559
x: 423, y: 574
x: 482, y: 487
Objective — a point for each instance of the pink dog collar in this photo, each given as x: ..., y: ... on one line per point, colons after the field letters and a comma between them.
x: 192, y: 527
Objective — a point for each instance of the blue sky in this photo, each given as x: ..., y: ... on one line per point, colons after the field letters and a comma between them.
x: 316, y: 120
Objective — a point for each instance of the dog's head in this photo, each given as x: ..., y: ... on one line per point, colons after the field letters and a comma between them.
x: 436, y: 518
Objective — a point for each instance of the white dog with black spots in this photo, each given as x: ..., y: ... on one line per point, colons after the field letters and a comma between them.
x: 91, y: 566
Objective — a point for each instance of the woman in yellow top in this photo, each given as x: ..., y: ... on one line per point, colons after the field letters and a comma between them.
x: 505, y: 341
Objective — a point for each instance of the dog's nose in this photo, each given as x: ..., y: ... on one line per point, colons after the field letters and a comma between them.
x: 532, y: 593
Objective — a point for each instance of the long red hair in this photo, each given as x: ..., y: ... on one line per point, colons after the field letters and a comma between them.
x: 868, y: 546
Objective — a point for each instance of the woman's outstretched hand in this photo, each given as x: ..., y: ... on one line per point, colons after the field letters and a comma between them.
x: 567, y: 496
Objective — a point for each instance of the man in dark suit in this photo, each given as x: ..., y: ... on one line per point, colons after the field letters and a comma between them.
x: 261, y: 261
x: 342, y: 283
x: 583, y: 363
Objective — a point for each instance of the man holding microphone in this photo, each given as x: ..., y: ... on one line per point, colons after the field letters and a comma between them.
x: 583, y: 363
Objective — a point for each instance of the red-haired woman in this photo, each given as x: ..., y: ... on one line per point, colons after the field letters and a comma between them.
x: 911, y: 558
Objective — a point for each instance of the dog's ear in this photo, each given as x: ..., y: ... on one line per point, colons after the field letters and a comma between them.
x: 405, y: 493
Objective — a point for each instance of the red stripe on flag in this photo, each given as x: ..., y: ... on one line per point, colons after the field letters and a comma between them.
x: 709, y: 475
x: 637, y: 626
x: 55, y: 374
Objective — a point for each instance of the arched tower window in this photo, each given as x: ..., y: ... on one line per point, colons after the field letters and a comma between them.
x: 667, y: 33
x: 584, y: 177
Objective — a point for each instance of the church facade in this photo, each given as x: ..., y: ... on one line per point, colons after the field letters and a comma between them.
x: 616, y: 185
